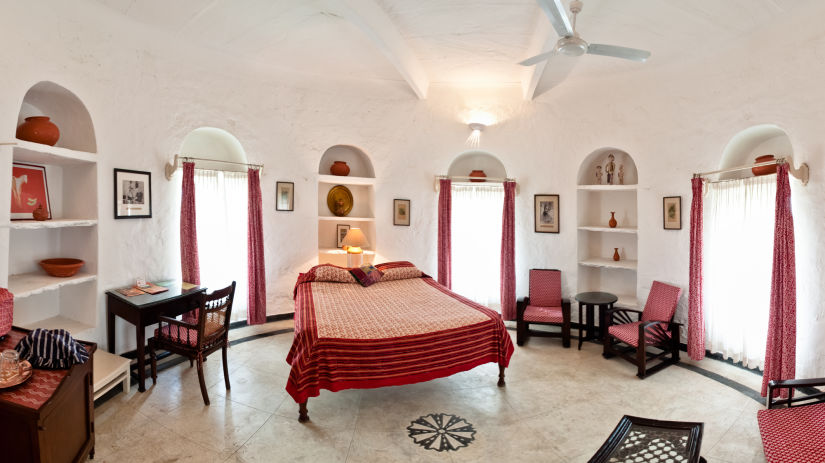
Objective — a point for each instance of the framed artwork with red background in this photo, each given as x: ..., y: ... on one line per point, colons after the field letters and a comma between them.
x: 28, y: 190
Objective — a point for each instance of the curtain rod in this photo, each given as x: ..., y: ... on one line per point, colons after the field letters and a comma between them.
x: 173, y: 166
x: 437, y: 184
x: 802, y: 173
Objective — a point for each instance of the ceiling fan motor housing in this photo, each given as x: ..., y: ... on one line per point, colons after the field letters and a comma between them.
x: 571, y: 46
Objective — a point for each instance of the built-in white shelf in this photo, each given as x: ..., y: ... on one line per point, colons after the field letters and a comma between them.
x: 609, y: 263
x: 339, y: 251
x: 610, y: 230
x: 53, y: 223
x: 345, y: 180
x: 608, y: 187
x: 74, y: 327
x: 347, y: 218
x: 29, y: 284
x: 38, y: 153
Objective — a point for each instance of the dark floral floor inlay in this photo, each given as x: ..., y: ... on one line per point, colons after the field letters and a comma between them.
x: 441, y: 431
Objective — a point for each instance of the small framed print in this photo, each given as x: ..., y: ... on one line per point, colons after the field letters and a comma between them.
x: 340, y: 232
x: 28, y: 191
x: 672, y: 212
x: 547, y: 213
x: 284, y: 196
x: 401, y: 212
x: 133, y: 194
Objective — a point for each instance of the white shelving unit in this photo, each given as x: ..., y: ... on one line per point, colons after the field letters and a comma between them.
x: 361, y: 183
x: 597, y: 241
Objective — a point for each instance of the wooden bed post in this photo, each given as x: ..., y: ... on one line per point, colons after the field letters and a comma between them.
x: 501, y: 382
x: 303, y: 416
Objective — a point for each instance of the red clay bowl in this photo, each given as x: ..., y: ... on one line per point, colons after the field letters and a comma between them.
x: 61, y: 267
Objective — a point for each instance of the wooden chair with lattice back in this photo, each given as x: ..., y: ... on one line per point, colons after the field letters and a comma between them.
x: 544, y: 306
x: 196, y: 341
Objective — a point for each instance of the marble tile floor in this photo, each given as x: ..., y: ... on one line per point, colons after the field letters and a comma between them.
x: 559, y: 405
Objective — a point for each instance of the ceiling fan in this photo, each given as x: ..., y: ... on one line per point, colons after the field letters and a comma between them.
x: 571, y: 44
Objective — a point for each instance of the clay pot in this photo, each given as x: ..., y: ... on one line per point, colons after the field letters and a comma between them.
x: 61, y: 267
x: 478, y: 174
x: 616, y: 255
x: 612, y: 221
x: 764, y: 170
x: 339, y: 168
x: 40, y: 213
x: 38, y: 129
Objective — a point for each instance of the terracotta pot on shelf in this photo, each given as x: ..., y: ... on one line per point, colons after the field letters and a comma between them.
x: 39, y: 129
x: 479, y: 176
x: 612, y: 221
x: 764, y: 170
x: 616, y: 255
x: 61, y: 267
x: 40, y: 213
x: 339, y: 168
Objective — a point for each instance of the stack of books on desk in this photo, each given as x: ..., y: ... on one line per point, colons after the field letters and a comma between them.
x: 150, y: 288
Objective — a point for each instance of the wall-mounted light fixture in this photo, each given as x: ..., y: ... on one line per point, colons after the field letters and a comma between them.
x: 475, y: 136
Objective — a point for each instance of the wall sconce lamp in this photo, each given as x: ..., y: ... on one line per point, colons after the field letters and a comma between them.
x: 475, y: 136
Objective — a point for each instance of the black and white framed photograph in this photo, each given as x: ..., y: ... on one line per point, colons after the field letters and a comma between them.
x: 547, y: 213
x: 133, y: 194
x: 340, y: 232
x: 401, y: 212
x: 672, y: 212
x: 284, y: 196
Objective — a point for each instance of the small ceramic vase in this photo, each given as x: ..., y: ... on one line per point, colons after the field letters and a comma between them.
x: 38, y: 129
x: 40, y: 213
x: 616, y: 256
x: 339, y: 168
x: 612, y: 221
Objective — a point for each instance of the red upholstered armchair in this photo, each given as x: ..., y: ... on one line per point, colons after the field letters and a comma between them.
x: 795, y: 433
x: 652, y: 336
x: 545, y: 306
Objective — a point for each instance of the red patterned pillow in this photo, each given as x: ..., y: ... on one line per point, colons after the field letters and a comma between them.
x: 333, y: 273
x: 367, y: 274
x: 400, y: 270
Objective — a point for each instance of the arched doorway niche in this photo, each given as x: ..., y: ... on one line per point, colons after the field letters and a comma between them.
x: 217, y: 144
x: 599, y: 157
x: 357, y: 160
x: 469, y: 161
x: 751, y: 143
x: 63, y: 108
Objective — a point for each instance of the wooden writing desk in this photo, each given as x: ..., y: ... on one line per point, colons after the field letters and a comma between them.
x: 143, y: 311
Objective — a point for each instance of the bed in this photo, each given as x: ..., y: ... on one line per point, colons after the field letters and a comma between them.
x: 404, y: 329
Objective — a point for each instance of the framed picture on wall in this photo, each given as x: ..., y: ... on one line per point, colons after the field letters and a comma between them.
x: 28, y: 191
x: 401, y: 212
x: 547, y: 213
x: 284, y: 196
x: 133, y: 194
x: 340, y: 232
x: 672, y: 212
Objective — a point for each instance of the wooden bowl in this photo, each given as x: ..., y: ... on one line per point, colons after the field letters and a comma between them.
x: 61, y: 267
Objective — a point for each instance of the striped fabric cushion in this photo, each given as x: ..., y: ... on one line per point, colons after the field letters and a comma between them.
x: 661, y: 302
x: 536, y: 314
x: 545, y: 288
x: 795, y: 434
x: 51, y: 349
x: 628, y: 333
x: 400, y: 270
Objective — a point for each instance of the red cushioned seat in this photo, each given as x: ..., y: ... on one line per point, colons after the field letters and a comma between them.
x: 628, y: 333
x: 188, y: 336
x: 537, y: 314
x: 544, y: 306
x: 794, y: 434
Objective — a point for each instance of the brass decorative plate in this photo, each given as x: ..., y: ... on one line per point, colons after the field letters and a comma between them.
x: 339, y: 200
x: 20, y: 378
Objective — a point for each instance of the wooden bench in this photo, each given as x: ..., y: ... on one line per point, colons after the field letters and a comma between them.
x: 795, y: 433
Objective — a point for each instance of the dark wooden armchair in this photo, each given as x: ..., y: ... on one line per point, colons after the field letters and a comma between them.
x: 196, y: 341
x: 544, y: 306
x: 797, y: 432
x: 653, y: 336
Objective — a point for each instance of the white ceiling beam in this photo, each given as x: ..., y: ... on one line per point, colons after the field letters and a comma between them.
x: 377, y: 25
x: 543, y: 38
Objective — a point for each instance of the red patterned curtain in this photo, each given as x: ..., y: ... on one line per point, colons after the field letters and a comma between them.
x: 780, y: 353
x: 696, y: 319
x: 445, y: 209
x: 508, y: 253
x: 190, y: 266
x: 256, y: 308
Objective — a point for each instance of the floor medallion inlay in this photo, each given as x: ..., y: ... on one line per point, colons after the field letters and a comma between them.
x: 441, y: 432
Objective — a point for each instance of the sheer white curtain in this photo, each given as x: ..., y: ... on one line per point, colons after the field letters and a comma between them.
x: 221, y: 209
x: 476, y: 242
x: 737, y: 262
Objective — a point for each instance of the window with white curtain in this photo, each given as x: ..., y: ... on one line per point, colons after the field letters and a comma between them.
x: 476, y: 242
x: 221, y: 211
x: 737, y: 263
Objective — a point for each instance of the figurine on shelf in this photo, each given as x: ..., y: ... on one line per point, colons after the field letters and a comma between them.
x: 610, y: 168
x: 598, y: 175
x: 620, y: 174
x: 40, y: 213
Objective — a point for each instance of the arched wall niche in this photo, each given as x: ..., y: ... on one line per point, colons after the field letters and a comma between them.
x: 357, y: 160
x: 469, y: 161
x: 217, y: 144
x: 599, y: 157
x: 66, y: 110
x: 751, y: 143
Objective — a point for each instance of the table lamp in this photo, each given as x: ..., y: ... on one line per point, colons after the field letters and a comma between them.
x: 355, y: 239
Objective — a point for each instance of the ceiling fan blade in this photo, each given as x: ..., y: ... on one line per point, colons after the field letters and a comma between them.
x: 538, y: 58
x: 558, y: 18
x: 632, y: 54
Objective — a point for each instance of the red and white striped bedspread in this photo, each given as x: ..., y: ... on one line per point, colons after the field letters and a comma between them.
x: 391, y: 333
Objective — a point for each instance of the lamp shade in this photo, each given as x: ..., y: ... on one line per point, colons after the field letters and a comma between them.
x: 355, y: 238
